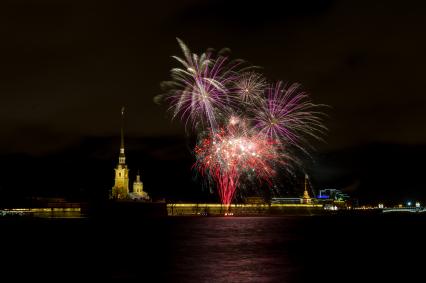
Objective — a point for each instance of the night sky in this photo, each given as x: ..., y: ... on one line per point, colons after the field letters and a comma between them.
x: 67, y: 67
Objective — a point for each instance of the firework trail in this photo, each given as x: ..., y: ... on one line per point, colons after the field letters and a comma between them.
x: 245, y: 125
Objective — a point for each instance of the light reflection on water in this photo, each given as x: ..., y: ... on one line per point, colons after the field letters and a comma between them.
x: 246, y: 249
x: 297, y: 249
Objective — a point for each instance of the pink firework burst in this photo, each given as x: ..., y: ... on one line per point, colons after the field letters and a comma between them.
x: 228, y: 155
x: 288, y: 115
x: 199, y: 91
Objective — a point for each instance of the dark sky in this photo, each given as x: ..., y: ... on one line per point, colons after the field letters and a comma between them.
x: 66, y: 67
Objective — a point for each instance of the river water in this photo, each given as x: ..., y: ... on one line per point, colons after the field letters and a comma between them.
x: 215, y: 249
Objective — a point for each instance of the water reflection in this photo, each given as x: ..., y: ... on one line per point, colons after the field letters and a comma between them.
x: 249, y: 249
x: 214, y: 249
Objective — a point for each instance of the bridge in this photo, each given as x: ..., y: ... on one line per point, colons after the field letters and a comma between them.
x: 405, y: 209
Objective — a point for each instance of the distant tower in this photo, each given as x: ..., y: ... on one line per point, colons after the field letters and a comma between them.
x: 121, y: 185
x: 306, y: 198
x: 138, y: 192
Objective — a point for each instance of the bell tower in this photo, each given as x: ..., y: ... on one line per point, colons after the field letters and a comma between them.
x: 121, y: 184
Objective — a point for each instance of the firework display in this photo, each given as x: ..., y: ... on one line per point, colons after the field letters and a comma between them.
x: 245, y: 125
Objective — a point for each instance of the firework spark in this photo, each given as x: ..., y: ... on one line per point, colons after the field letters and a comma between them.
x: 287, y: 114
x: 249, y: 87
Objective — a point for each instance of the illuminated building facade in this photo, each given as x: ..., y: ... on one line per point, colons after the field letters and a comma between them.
x: 334, y: 199
x: 138, y: 192
x: 332, y: 194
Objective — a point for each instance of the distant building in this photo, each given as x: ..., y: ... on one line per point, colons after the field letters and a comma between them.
x: 305, y: 199
x: 121, y: 183
x: 335, y: 199
x: 255, y: 200
x: 332, y: 194
x: 138, y: 192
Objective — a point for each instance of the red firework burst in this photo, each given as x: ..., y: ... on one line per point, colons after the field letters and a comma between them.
x: 228, y: 154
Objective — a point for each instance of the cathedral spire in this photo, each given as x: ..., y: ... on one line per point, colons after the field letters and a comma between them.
x: 122, y: 127
x: 122, y: 158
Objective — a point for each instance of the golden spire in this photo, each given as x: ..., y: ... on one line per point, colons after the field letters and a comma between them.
x: 305, y: 193
x: 122, y: 157
x: 122, y: 127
